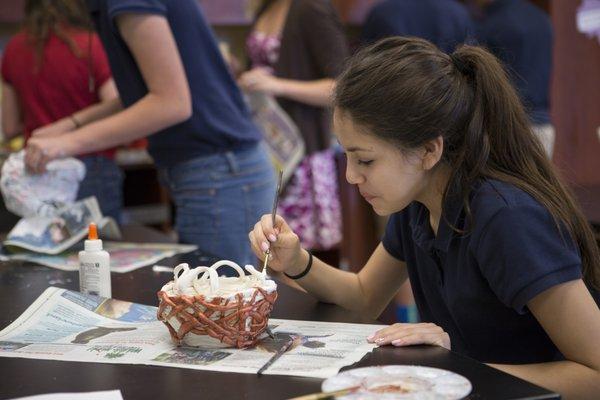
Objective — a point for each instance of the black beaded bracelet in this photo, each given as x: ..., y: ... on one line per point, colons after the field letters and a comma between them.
x: 306, y: 270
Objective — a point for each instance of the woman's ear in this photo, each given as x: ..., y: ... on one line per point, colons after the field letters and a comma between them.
x: 433, y: 151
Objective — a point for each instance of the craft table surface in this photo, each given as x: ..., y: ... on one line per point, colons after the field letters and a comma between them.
x: 21, y: 284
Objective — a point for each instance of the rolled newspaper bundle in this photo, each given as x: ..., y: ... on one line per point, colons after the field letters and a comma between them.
x: 201, y: 308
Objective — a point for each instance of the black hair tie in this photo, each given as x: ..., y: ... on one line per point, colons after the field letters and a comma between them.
x: 463, y: 67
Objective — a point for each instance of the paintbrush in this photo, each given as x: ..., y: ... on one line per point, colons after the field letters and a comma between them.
x: 273, y: 213
x: 327, y: 395
x: 276, y: 356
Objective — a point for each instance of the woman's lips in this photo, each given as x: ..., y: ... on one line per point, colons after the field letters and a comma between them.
x: 367, y: 196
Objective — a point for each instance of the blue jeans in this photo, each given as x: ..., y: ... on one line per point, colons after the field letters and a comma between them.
x: 219, y: 198
x: 103, y: 179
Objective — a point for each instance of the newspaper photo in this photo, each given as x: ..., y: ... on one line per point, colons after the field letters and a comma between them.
x: 53, y: 235
x: 124, y: 257
x: 69, y: 326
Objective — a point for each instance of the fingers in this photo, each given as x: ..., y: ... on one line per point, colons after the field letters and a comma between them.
x: 251, y: 85
x: 415, y: 338
x: 265, y: 231
x: 280, y: 233
x: 30, y: 158
x: 255, y: 80
x: 248, y: 80
x: 264, y: 235
x: 280, y: 225
x: 259, y: 239
x: 35, y: 159
x: 256, y: 249
x: 37, y: 132
x: 266, y: 223
x: 243, y: 82
x: 411, y: 334
x: 41, y: 150
x: 385, y: 332
x: 270, y: 231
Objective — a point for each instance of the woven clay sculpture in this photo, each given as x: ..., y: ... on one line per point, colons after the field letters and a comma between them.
x: 203, y: 309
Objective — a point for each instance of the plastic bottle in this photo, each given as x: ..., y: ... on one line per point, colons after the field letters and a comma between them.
x: 94, y: 266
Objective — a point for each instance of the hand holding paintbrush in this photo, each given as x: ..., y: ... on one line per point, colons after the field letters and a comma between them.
x: 274, y: 242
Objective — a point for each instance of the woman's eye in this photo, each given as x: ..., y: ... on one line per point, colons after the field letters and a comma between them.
x: 365, y: 162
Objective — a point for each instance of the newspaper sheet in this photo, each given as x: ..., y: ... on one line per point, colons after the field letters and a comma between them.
x: 124, y: 257
x: 103, y: 395
x: 54, y: 235
x: 70, y: 326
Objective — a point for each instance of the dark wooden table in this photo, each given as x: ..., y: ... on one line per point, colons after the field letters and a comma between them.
x: 21, y: 284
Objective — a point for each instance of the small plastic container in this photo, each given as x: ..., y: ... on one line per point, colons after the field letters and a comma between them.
x: 94, y: 266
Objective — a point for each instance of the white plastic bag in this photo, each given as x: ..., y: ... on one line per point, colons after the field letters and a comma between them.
x: 27, y: 194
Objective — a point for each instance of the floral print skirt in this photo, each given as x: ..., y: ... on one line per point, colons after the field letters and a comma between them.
x: 310, y: 203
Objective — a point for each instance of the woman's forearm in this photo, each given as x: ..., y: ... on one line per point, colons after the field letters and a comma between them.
x: 98, y: 111
x: 570, y: 379
x: 315, y: 93
x: 368, y: 291
x: 12, y: 118
x: 149, y: 115
x: 331, y: 285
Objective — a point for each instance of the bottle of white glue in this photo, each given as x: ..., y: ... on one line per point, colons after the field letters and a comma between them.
x: 94, y: 266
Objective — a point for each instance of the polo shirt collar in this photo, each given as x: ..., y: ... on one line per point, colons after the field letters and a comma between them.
x: 450, y: 220
x: 422, y: 233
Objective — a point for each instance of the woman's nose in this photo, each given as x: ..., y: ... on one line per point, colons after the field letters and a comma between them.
x: 352, y: 176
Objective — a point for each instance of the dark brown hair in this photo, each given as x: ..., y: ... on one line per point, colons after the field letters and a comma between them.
x: 43, y: 17
x: 406, y: 91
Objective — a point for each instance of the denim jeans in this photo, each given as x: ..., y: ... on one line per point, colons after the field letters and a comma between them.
x: 219, y: 198
x: 103, y: 179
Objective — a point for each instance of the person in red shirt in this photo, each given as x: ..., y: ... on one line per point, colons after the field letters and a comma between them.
x: 52, y: 70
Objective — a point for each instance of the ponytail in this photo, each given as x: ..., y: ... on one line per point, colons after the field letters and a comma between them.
x: 44, y: 17
x: 408, y: 92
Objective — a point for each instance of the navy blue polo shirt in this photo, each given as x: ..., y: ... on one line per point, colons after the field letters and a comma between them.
x: 520, y: 34
x: 445, y: 23
x: 220, y: 119
x: 476, y: 285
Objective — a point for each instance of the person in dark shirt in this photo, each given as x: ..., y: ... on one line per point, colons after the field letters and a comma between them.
x: 502, y: 262
x: 177, y: 90
x: 445, y: 23
x: 520, y: 34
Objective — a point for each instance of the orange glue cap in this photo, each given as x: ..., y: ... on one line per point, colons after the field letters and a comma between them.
x: 93, y: 232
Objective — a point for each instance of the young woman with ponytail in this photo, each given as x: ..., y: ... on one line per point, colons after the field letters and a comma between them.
x: 503, y: 265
